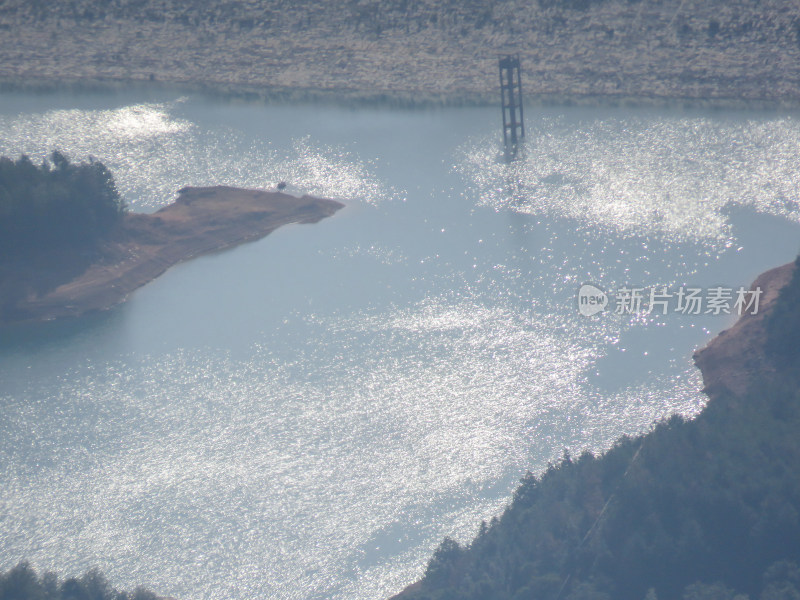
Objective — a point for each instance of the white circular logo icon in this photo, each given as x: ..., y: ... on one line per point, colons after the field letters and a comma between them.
x: 591, y: 300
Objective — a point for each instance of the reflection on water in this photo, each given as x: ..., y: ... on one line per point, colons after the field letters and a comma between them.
x: 672, y: 177
x: 153, y: 153
x: 308, y: 415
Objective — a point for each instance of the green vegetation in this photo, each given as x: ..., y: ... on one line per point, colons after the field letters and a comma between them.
x: 55, y: 206
x: 22, y: 583
x: 707, y: 509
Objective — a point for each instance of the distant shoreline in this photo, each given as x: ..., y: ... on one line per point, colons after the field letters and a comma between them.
x: 714, y: 54
x: 144, y: 246
x: 351, y: 98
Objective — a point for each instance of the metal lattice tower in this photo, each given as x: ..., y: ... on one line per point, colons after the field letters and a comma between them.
x: 511, y: 98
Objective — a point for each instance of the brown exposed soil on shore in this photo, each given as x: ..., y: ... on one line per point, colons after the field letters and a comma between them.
x: 735, y: 357
x: 200, y: 221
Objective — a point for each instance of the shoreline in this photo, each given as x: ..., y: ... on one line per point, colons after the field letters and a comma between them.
x: 729, y: 363
x: 144, y: 246
x: 408, y: 100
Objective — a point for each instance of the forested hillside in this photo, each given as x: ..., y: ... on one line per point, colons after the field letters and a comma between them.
x: 53, y: 218
x: 54, y: 206
x: 23, y: 583
x: 701, y: 509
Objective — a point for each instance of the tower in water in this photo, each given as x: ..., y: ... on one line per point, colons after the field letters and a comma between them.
x: 511, y: 102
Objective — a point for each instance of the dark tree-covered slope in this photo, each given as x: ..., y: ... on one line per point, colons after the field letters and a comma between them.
x: 54, y: 206
x: 23, y: 583
x: 53, y: 217
x: 701, y: 509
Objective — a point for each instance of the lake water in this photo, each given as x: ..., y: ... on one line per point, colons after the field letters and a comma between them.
x: 307, y: 416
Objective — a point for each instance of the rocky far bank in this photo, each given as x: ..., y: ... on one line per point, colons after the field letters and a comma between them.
x: 736, y: 357
x: 201, y: 220
x: 413, y: 51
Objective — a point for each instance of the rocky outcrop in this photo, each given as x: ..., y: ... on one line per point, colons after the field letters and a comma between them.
x: 737, y: 355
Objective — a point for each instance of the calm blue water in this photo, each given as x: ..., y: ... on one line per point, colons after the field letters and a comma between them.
x: 308, y: 415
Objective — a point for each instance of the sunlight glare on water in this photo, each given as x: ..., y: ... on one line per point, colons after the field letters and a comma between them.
x: 644, y: 177
x: 153, y: 153
x: 307, y: 416
x: 285, y: 476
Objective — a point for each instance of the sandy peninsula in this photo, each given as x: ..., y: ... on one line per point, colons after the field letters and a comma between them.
x: 201, y: 220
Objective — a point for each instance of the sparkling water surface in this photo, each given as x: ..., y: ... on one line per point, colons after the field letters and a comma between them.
x: 307, y: 416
